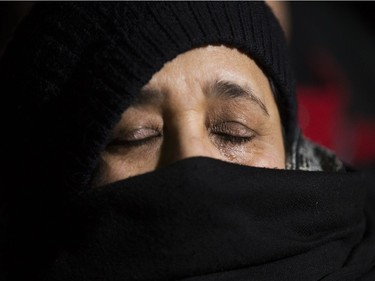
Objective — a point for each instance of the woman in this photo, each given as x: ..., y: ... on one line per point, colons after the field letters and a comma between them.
x: 158, y: 141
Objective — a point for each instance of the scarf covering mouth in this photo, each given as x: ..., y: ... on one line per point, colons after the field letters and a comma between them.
x: 204, y: 219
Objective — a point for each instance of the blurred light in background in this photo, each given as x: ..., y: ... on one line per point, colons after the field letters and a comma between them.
x: 333, y: 50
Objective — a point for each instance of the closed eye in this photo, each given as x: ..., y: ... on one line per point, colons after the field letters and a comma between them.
x: 135, y: 138
x: 232, y: 132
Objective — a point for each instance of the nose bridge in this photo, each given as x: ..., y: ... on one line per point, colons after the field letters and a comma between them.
x: 192, y: 137
x: 186, y: 137
x: 193, y: 143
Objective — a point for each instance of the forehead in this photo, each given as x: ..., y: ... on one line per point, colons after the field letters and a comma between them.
x: 196, y: 67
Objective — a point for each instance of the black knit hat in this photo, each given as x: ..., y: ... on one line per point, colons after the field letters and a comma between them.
x: 73, y: 68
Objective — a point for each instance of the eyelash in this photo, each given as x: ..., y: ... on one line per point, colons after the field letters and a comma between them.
x: 133, y: 143
x: 226, y: 138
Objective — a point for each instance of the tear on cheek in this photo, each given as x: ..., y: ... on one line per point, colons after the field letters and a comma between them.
x: 238, y: 154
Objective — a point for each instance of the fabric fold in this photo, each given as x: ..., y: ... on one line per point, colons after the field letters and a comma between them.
x: 204, y: 219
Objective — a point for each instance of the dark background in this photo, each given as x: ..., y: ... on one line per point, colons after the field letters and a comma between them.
x: 333, y: 50
x: 345, y: 31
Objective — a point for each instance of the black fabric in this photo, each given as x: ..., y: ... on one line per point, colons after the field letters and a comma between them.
x: 72, y: 68
x: 66, y: 77
x: 204, y: 219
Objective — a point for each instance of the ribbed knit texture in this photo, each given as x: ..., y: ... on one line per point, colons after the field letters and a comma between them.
x: 73, y: 68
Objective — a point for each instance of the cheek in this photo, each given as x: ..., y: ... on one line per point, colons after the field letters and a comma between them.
x: 260, y: 153
x: 115, y: 168
x: 270, y: 159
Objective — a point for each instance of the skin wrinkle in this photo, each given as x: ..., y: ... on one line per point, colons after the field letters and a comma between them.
x: 218, y: 88
x: 212, y: 101
x: 229, y: 90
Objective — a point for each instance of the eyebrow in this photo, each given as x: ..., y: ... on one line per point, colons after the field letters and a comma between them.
x: 148, y: 96
x: 229, y: 90
x: 217, y: 88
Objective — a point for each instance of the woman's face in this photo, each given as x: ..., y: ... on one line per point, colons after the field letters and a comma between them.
x: 212, y: 101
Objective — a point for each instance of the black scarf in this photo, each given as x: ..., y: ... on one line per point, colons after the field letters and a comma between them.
x: 203, y: 219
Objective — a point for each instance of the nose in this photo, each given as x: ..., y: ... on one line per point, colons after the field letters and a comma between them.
x: 185, y: 139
